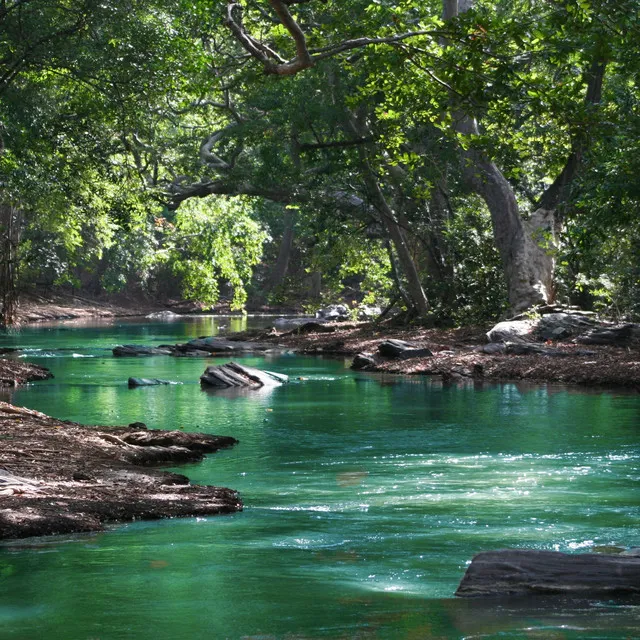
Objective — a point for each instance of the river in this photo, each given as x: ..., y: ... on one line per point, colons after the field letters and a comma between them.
x: 365, y: 498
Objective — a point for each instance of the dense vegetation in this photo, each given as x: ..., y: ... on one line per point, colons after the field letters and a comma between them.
x: 456, y: 158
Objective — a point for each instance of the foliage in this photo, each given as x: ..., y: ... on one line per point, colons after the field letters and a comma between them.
x: 214, y: 242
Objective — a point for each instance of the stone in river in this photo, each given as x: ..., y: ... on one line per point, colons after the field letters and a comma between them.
x: 529, y: 571
x: 148, y: 382
x: 124, y: 350
x: 220, y: 345
x: 233, y: 374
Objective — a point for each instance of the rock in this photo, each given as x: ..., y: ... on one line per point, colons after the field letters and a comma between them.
x: 215, y: 345
x: 233, y: 374
x: 363, y: 361
x: 494, y: 347
x: 368, y: 313
x: 422, y: 352
x: 199, y: 442
x: 313, y: 327
x: 148, y: 382
x: 333, y: 313
x: 285, y: 324
x: 528, y: 571
x: 163, y: 315
x: 402, y: 349
x: 511, y: 330
x: 127, y: 350
x: 137, y: 425
x: 560, y: 326
x: 552, y: 326
x: 621, y: 335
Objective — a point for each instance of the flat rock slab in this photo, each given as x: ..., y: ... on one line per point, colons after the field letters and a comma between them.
x: 133, y: 350
x: 223, y: 346
x: 527, y: 571
x: 233, y: 374
x: 401, y: 349
x: 148, y: 382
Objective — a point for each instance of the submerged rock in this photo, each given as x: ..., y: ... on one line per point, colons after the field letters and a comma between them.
x: 126, y: 350
x: 528, y: 571
x: 148, y: 382
x: 233, y: 374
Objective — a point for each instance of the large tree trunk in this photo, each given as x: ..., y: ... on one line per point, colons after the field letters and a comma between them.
x: 526, y: 249
x: 9, y: 238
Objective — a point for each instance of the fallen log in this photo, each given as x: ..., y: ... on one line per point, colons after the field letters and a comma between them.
x: 529, y: 571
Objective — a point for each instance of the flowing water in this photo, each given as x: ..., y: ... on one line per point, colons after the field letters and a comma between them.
x: 365, y: 498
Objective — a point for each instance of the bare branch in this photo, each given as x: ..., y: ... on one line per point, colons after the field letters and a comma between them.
x: 206, y: 154
x: 303, y: 58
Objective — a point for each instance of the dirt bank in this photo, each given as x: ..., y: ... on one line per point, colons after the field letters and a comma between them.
x: 458, y: 355
x: 61, y: 477
x: 33, y: 307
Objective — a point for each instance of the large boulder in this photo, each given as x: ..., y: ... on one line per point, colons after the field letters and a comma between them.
x: 529, y: 571
x: 233, y: 374
x: 562, y: 326
x: 511, y: 330
x: 551, y: 326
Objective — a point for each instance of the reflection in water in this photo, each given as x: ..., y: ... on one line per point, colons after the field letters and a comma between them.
x: 365, y: 496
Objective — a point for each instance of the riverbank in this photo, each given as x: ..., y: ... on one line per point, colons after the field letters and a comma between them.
x: 459, y: 355
x: 46, y: 307
x: 61, y: 477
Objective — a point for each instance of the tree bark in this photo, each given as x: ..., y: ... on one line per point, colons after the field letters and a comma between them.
x: 526, y: 249
x: 9, y: 239
x: 397, y: 237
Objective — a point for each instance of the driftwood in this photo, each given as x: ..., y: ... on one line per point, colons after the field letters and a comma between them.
x: 527, y: 571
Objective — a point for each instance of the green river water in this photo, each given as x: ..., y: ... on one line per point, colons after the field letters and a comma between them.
x: 365, y: 498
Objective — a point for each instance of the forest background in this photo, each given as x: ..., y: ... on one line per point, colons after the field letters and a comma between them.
x: 458, y: 159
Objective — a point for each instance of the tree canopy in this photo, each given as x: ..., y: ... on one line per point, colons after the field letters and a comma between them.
x: 457, y: 158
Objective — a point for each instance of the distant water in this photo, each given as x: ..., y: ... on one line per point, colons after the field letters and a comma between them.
x: 365, y: 498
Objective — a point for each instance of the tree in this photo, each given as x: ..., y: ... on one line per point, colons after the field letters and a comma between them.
x: 454, y: 54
